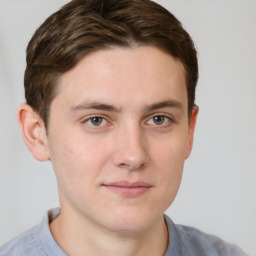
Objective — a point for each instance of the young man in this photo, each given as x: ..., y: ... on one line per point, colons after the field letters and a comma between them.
x: 110, y: 88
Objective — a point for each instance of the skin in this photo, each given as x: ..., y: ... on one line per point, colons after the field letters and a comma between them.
x: 119, y: 118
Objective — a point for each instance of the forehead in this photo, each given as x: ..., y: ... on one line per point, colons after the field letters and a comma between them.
x: 136, y: 75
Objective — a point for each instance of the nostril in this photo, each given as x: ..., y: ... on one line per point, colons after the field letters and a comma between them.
x: 133, y: 166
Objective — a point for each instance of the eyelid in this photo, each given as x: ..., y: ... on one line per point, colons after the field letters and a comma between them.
x: 108, y: 121
x: 88, y: 118
x: 170, y: 119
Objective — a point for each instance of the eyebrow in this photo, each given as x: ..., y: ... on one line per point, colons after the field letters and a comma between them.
x: 95, y: 105
x: 107, y: 107
x: 165, y: 104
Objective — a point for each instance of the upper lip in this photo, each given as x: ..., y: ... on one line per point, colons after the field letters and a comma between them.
x: 128, y: 184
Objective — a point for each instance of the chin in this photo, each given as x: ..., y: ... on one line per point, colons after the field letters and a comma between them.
x: 132, y: 222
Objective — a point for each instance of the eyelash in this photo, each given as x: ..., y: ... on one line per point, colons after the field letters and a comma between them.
x: 89, y: 119
x: 167, y: 121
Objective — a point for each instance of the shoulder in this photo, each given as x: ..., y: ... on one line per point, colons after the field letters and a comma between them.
x: 203, y: 242
x: 36, y: 241
x: 23, y: 245
x: 191, y: 241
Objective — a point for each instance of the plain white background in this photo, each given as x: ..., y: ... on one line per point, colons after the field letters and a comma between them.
x: 218, y: 191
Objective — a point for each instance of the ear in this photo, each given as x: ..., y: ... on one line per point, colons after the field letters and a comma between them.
x: 192, y: 124
x: 33, y: 132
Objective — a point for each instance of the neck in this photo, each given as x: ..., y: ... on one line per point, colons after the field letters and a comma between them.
x: 77, y: 238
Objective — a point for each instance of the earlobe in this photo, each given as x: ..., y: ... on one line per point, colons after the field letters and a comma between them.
x: 33, y: 132
x: 191, y: 130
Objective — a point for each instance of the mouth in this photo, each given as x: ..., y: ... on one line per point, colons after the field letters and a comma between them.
x: 128, y: 189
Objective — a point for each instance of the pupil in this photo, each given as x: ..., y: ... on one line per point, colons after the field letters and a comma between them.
x: 97, y: 120
x: 158, y: 119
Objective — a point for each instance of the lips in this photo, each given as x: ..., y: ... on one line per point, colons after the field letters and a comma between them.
x: 128, y: 189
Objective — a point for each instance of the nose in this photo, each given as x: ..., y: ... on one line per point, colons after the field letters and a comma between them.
x: 131, y: 149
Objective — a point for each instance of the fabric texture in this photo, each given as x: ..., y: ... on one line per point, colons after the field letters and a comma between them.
x: 183, y: 241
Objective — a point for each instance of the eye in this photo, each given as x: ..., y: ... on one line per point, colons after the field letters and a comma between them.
x: 159, y: 120
x: 96, y: 121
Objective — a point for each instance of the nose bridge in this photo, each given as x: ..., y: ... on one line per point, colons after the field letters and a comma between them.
x: 130, y: 147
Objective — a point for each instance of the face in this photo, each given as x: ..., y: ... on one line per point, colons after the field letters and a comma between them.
x: 118, y: 137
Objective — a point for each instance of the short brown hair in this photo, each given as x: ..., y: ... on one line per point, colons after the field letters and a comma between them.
x: 83, y: 26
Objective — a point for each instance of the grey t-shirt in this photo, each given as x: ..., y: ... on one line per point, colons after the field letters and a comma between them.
x: 183, y: 241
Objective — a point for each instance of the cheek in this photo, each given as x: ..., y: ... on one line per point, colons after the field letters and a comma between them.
x: 77, y: 167
x: 76, y: 160
x: 169, y: 157
x: 170, y: 152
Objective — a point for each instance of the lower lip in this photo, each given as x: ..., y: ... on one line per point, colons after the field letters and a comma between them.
x: 128, y: 191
